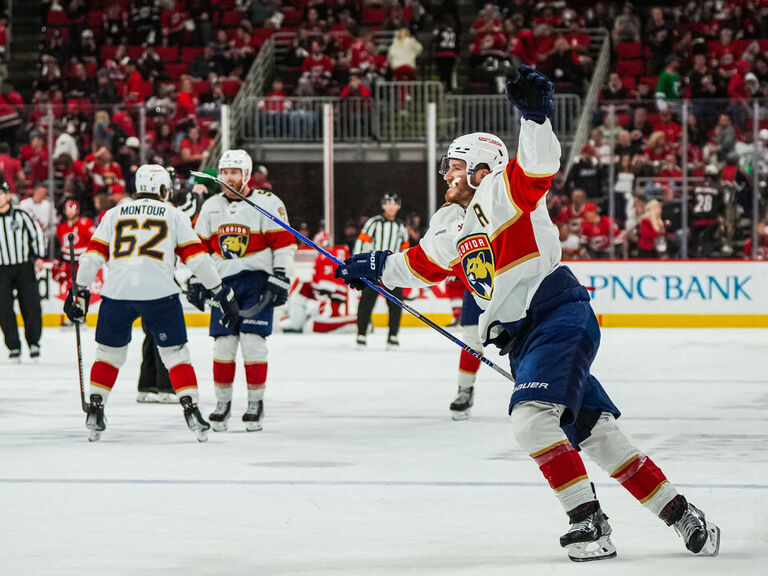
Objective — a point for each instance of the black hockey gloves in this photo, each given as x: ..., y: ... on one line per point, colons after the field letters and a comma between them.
x: 197, y: 294
x: 76, y: 305
x: 229, y: 308
x: 277, y: 288
x: 368, y: 265
x: 532, y: 93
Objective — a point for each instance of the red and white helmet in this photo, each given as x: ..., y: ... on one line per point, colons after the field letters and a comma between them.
x: 476, y: 148
x: 153, y: 179
x: 237, y: 159
x: 322, y: 239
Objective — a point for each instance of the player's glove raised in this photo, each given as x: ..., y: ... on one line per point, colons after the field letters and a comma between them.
x: 277, y: 288
x: 76, y: 304
x: 368, y: 265
x: 230, y: 310
x: 197, y: 294
x: 531, y: 92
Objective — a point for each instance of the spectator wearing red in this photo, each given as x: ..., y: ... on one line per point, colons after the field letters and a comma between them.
x: 652, y: 242
x: 100, y: 165
x: 115, y: 21
x: 355, y: 89
x: 259, y: 180
x: 11, y: 112
x: 65, y: 168
x: 34, y: 159
x: 123, y: 119
x: 402, y: 55
x: 577, y: 40
x: 317, y: 67
x: 737, y: 85
x: 276, y: 99
x: 523, y: 46
x: 10, y: 168
x: 724, y: 55
x: 172, y: 23
x: 573, y: 214
x: 665, y: 124
x: 596, y: 232
x: 194, y: 148
x: 312, y: 26
x: 487, y: 18
x: 134, y: 82
x: 762, y: 244
x: 186, y: 103
x: 488, y: 40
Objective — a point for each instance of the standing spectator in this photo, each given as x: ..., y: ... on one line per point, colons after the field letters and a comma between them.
x: 724, y: 142
x: 402, y: 55
x: 614, y: 90
x: 21, y: 257
x: 660, y: 36
x: 99, y: 164
x: 587, y: 173
x: 652, y: 242
x: 317, y: 68
x: 573, y: 214
x: 10, y: 168
x: 445, y: 40
x: 381, y: 233
x: 194, y: 149
x: 597, y: 231
x: 668, y: 86
x: 626, y: 27
x: 570, y: 245
x: 706, y: 214
x: 150, y: 65
x: 41, y: 208
x: 34, y: 158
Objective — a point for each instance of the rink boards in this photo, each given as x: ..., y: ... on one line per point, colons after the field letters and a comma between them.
x: 625, y: 294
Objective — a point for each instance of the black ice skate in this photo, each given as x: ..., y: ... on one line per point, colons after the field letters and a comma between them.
x: 362, y: 342
x: 254, y: 415
x: 393, y: 343
x: 589, y: 536
x: 220, y: 415
x: 94, y: 418
x: 15, y: 356
x: 194, y: 419
x: 34, y: 352
x: 700, y: 537
x: 462, y: 404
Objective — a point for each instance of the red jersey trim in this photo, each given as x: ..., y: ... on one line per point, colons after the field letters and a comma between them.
x: 514, y: 243
x: 423, y: 267
x: 277, y: 239
x: 189, y: 249
x: 98, y: 247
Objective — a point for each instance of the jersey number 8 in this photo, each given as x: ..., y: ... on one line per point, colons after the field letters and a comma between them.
x: 125, y: 242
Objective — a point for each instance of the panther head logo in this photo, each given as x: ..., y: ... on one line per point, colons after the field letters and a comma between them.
x: 233, y: 241
x: 478, y: 264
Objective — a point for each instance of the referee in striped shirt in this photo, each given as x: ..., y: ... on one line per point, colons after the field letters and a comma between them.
x: 381, y: 233
x: 22, y: 247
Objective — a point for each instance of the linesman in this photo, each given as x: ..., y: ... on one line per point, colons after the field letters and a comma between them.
x: 22, y: 248
x: 383, y: 232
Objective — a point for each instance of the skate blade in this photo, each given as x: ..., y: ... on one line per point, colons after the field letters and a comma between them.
x: 253, y: 426
x: 167, y: 398
x: 219, y: 426
x: 460, y: 415
x: 600, y: 549
x: 201, y: 435
x: 94, y: 435
x: 712, y: 547
x: 147, y: 399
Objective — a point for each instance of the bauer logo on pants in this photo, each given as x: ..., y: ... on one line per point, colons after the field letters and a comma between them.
x: 478, y: 263
x: 233, y: 240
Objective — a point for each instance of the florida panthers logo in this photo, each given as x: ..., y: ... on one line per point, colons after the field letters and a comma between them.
x: 233, y: 240
x: 478, y: 263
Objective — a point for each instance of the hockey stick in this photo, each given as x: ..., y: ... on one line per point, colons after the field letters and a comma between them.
x: 376, y: 287
x: 72, y: 276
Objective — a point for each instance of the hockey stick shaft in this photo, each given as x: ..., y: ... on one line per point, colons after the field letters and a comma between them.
x: 376, y: 287
x: 72, y: 277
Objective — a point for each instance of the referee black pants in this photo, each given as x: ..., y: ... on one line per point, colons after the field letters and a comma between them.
x: 20, y: 277
x: 367, y: 302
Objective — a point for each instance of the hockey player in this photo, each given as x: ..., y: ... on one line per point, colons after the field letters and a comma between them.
x: 468, y: 364
x: 140, y: 240
x: 496, y: 234
x: 252, y: 254
x: 325, y: 296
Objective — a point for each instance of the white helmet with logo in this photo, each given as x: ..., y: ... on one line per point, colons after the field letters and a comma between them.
x: 237, y: 159
x: 475, y: 149
x: 153, y: 179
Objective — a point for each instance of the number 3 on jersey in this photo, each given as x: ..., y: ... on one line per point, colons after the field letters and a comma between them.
x: 125, y: 242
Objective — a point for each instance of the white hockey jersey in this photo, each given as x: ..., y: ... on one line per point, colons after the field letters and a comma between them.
x: 503, y: 245
x: 139, y: 240
x: 240, y: 238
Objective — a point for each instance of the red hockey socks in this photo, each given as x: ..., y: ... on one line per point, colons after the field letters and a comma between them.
x: 184, y: 380
x: 256, y: 378
x: 563, y: 468
x: 646, y: 482
x: 103, y: 378
x: 223, y: 377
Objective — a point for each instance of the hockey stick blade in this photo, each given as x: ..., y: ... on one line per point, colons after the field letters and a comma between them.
x: 380, y: 289
x: 244, y: 313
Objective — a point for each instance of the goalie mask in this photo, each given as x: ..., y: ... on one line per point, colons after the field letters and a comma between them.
x: 237, y: 159
x: 153, y: 179
x: 476, y: 149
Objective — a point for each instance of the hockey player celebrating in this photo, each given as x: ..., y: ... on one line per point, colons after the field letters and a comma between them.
x: 252, y: 255
x: 139, y: 240
x: 496, y: 234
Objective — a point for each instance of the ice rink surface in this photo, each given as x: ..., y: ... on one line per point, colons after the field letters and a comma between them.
x: 359, y: 469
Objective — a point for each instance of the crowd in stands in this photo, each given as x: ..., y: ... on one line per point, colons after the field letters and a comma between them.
x: 108, y: 65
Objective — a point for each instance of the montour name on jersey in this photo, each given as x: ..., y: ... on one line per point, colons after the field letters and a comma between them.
x: 142, y: 210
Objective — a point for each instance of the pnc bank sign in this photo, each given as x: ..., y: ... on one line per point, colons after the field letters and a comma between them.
x: 669, y: 287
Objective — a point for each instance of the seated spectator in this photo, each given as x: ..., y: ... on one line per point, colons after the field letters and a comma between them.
x: 57, y: 48
x: 488, y: 17
x: 150, y: 65
x: 259, y: 178
x: 164, y: 145
x: 587, y: 173
x: 10, y: 168
x: 614, y: 90
x: 671, y: 129
x: 65, y: 167
x: 639, y: 122
x: 570, y: 243
x: 660, y: 37
x: 355, y: 89
x: 162, y: 103
x: 88, y: 52
x: 311, y: 25
x: 669, y: 170
x: 317, y: 68
x: 402, y: 55
x: 173, y: 22
x: 276, y: 99
x: 561, y: 64
x: 724, y: 55
x: 34, y: 158
x: 194, y: 148
x: 41, y: 208
x: 626, y: 146
x: 100, y: 165
x: 212, y: 100
x: 573, y: 214
x: 657, y: 147
x: 601, y: 147
x: 724, y: 140
x: 597, y: 232
x: 106, y: 92
x: 186, y: 104
x: 79, y: 85
x: 134, y: 82
x: 205, y: 64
